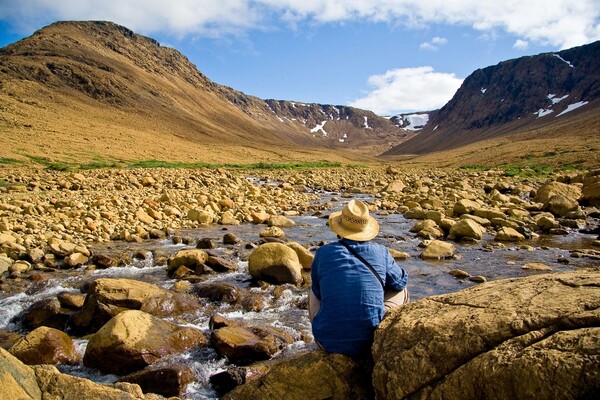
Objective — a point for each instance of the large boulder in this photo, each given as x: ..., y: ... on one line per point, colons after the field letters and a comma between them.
x: 134, y: 339
x: 533, y: 337
x: 591, y: 188
x: 304, y: 255
x: 108, y: 297
x: 19, y: 381
x: 313, y: 375
x: 275, y: 263
x: 45, y: 345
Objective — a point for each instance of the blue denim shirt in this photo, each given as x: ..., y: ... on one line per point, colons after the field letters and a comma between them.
x: 350, y: 294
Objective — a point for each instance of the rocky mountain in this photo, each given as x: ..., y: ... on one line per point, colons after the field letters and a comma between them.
x: 97, y: 90
x: 515, y: 95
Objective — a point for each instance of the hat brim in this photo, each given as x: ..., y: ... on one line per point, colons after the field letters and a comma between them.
x: 369, y: 232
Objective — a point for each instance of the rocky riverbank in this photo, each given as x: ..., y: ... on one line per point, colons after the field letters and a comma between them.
x: 54, y: 222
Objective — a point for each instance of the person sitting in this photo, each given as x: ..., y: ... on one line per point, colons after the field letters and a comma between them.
x: 346, y: 300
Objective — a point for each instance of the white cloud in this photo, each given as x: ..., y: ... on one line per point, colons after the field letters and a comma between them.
x: 408, y: 90
x: 433, y: 44
x: 521, y: 44
x: 560, y: 23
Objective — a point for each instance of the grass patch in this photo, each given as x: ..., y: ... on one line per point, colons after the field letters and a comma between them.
x: 527, y: 170
x: 259, y: 165
x: 476, y: 167
x: 9, y: 161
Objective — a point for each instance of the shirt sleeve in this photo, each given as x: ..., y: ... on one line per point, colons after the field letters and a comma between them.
x: 396, y: 277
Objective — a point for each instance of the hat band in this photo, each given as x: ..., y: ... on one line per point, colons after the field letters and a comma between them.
x: 350, y: 222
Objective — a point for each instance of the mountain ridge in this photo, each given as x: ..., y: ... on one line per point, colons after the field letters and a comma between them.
x: 513, y: 95
x: 99, y: 65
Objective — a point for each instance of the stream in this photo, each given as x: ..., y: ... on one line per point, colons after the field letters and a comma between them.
x: 426, y: 278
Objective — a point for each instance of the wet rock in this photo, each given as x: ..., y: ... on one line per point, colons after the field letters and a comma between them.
x: 459, y: 274
x: 105, y: 261
x: 438, y: 249
x: 219, y: 292
x: 132, y: 340
x: 560, y: 205
x: 243, y: 345
x: 168, y: 381
x: 495, y: 334
x: 477, y: 278
x: 206, y: 243
x: 219, y: 264
x: 230, y: 238
x: 47, y: 312
x: 276, y: 263
x: 45, y: 345
x: 8, y: 338
x: 324, y: 376
x: 537, y: 266
x: 108, y: 297
x: 190, y: 258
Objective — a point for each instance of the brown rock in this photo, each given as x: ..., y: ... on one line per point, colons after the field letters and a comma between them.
x: 438, y: 249
x: 276, y: 263
x: 243, y: 345
x: 167, y: 381
x: 133, y: 340
x: 45, y: 345
x: 323, y: 376
x: 47, y: 312
x: 495, y: 334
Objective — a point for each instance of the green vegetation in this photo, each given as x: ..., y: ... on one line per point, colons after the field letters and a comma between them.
x: 9, y: 161
x: 476, y: 167
x: 62, y: 166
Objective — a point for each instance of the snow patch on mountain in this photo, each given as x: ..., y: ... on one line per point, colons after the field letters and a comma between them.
x: 572, y: 107
x: 320, y: 127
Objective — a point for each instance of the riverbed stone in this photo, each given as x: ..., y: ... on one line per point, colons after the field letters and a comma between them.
x: 45, y: 345
x: 540, y: 327
x: 46, y: 312
x: 466, y: 228
x: 310, y: 375
x: 275, y: 263
x: 506, y: 234
x: 438, y: 249
x: 550, y: 189
x: 133, y: 339
x: 108, y: 297
x: 281, y: 221
x: 243, y: 345
x: 190, y: 258
x: 304, y: 255
x: 168, y: 381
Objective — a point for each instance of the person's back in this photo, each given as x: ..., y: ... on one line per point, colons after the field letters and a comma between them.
x: 351, y: 296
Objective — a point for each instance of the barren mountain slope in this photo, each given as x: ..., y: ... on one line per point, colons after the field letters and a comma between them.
x: 513, y: 96
x: 85, y: 91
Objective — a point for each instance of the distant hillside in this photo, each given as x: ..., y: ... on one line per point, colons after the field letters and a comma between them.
x: 98, y: 91
x: 515, y: 95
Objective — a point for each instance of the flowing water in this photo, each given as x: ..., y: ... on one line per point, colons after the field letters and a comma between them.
x: 427, y: 278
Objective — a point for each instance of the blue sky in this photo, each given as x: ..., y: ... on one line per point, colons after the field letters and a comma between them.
x: 388, y: 56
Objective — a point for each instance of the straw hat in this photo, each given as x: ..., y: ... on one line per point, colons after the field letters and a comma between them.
x: 354, y: 222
